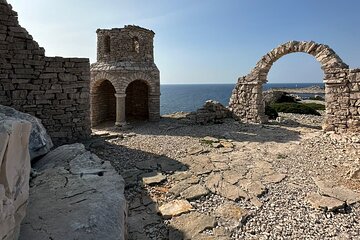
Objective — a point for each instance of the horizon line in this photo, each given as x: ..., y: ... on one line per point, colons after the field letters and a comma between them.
x: 235, y: 83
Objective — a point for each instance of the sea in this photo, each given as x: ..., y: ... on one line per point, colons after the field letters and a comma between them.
x: 189, y: 97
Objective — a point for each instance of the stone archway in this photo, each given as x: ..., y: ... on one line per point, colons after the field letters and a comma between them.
x: 103, y: 102
x: 246, y: 102
x: 137, y: 101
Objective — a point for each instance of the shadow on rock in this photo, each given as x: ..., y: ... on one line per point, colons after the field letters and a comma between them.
x: 146, y: 184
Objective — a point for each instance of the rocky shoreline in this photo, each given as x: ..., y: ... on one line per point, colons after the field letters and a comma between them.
x: 234, y: 180
x: 310, y: 90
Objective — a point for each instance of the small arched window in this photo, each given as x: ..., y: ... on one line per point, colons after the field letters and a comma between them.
x: 107, y: 44
x: 136, y: 44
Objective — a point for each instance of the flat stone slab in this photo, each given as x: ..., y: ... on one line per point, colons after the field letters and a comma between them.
x: 231, y: 176
x: 217, y: 185
x: 175, y: 208
x: 153, y: 178
x: 192, y: 224
x: 178, y: 176
x: 80, y: 198
x: 195, y: 150
x: 194, y: 192
x: 341, y: 193
x: 255, y: 188
x: 324, y: 203
x: 179, y: 187
x: 274, y: 178
x: 231, y: 192
x: 232, y: 213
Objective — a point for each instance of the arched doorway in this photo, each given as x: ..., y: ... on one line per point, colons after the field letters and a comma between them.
x: 137, y: 101
x: 103, y: 103
x: 246, y: 101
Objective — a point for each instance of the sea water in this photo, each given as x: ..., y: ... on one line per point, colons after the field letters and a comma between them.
x: 189, y: 97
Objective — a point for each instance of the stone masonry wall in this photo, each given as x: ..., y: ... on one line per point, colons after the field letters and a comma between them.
x: 122, y: 62
x: 342, y: 85
x: 120, y: 44
x: 54, y: 89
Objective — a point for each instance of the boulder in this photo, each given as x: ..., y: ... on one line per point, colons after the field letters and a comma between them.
x: 40, y: 142
x: 14, y: 175
x: 76, y: 195
x: 274, y: 96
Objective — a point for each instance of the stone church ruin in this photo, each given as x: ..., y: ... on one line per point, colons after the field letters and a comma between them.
x: 342, y: 87
x: 125, y: 82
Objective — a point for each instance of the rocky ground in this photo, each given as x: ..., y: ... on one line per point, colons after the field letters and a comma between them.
x: 283, y: 180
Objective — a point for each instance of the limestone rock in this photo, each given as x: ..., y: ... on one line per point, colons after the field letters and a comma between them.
x: 255, y: 188
x: 14, y: 175
x: 178, y: 176
x: 79, y: 198
x: 201, y: 165
x: 341, y: 193
x: 175, y: 208
x: 274, y: 178
x: 209, y: 139
x: 194, y: 192
x: 231, y: 176
x: 60, y: 156
x: 153, y: 178
x: 231, y: 192
x: 190, y: 225
x: 227, y: 144
x: 195, y: 150
x: 217, y: 185
x: 213, y: 181
x: 324, y: 203
x: 40, y: 142
x: 232, y: 213
x: 181, y: 186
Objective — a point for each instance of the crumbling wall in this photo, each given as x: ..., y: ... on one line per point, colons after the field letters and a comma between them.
x: 54, y: 89
x: 353, y: 121
x: 342, y: 85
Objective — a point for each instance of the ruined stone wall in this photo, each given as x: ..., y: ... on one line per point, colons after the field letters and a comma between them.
x: 353, y: 121
x: 131, y: 43
x: 54, y: 89
x: 341, y: 87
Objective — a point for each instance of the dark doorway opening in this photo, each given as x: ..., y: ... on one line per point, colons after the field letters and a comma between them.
x: 103, y: 103
x: 136, y: 102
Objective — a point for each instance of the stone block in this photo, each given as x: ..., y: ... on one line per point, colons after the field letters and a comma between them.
x: 14, y: 175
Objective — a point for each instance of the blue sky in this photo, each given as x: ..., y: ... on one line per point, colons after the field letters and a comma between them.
x: 203, y: 41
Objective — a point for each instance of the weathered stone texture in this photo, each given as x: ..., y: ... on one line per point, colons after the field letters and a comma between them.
x: 125, y: 57
x: 40, y: 142
x: 76, y: 195
x: 54, y: 89
x: 14, y: 175
x: 211, y: 112
x: 341, y: 87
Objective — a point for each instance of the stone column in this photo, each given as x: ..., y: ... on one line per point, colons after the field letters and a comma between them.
x: 154, y: 107
x: 120, y: 109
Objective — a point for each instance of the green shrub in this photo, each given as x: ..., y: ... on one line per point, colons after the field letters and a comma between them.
x: 315, y: 106
x: 294, y: 108
x: 286, y: 98
x: 271, y: 112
